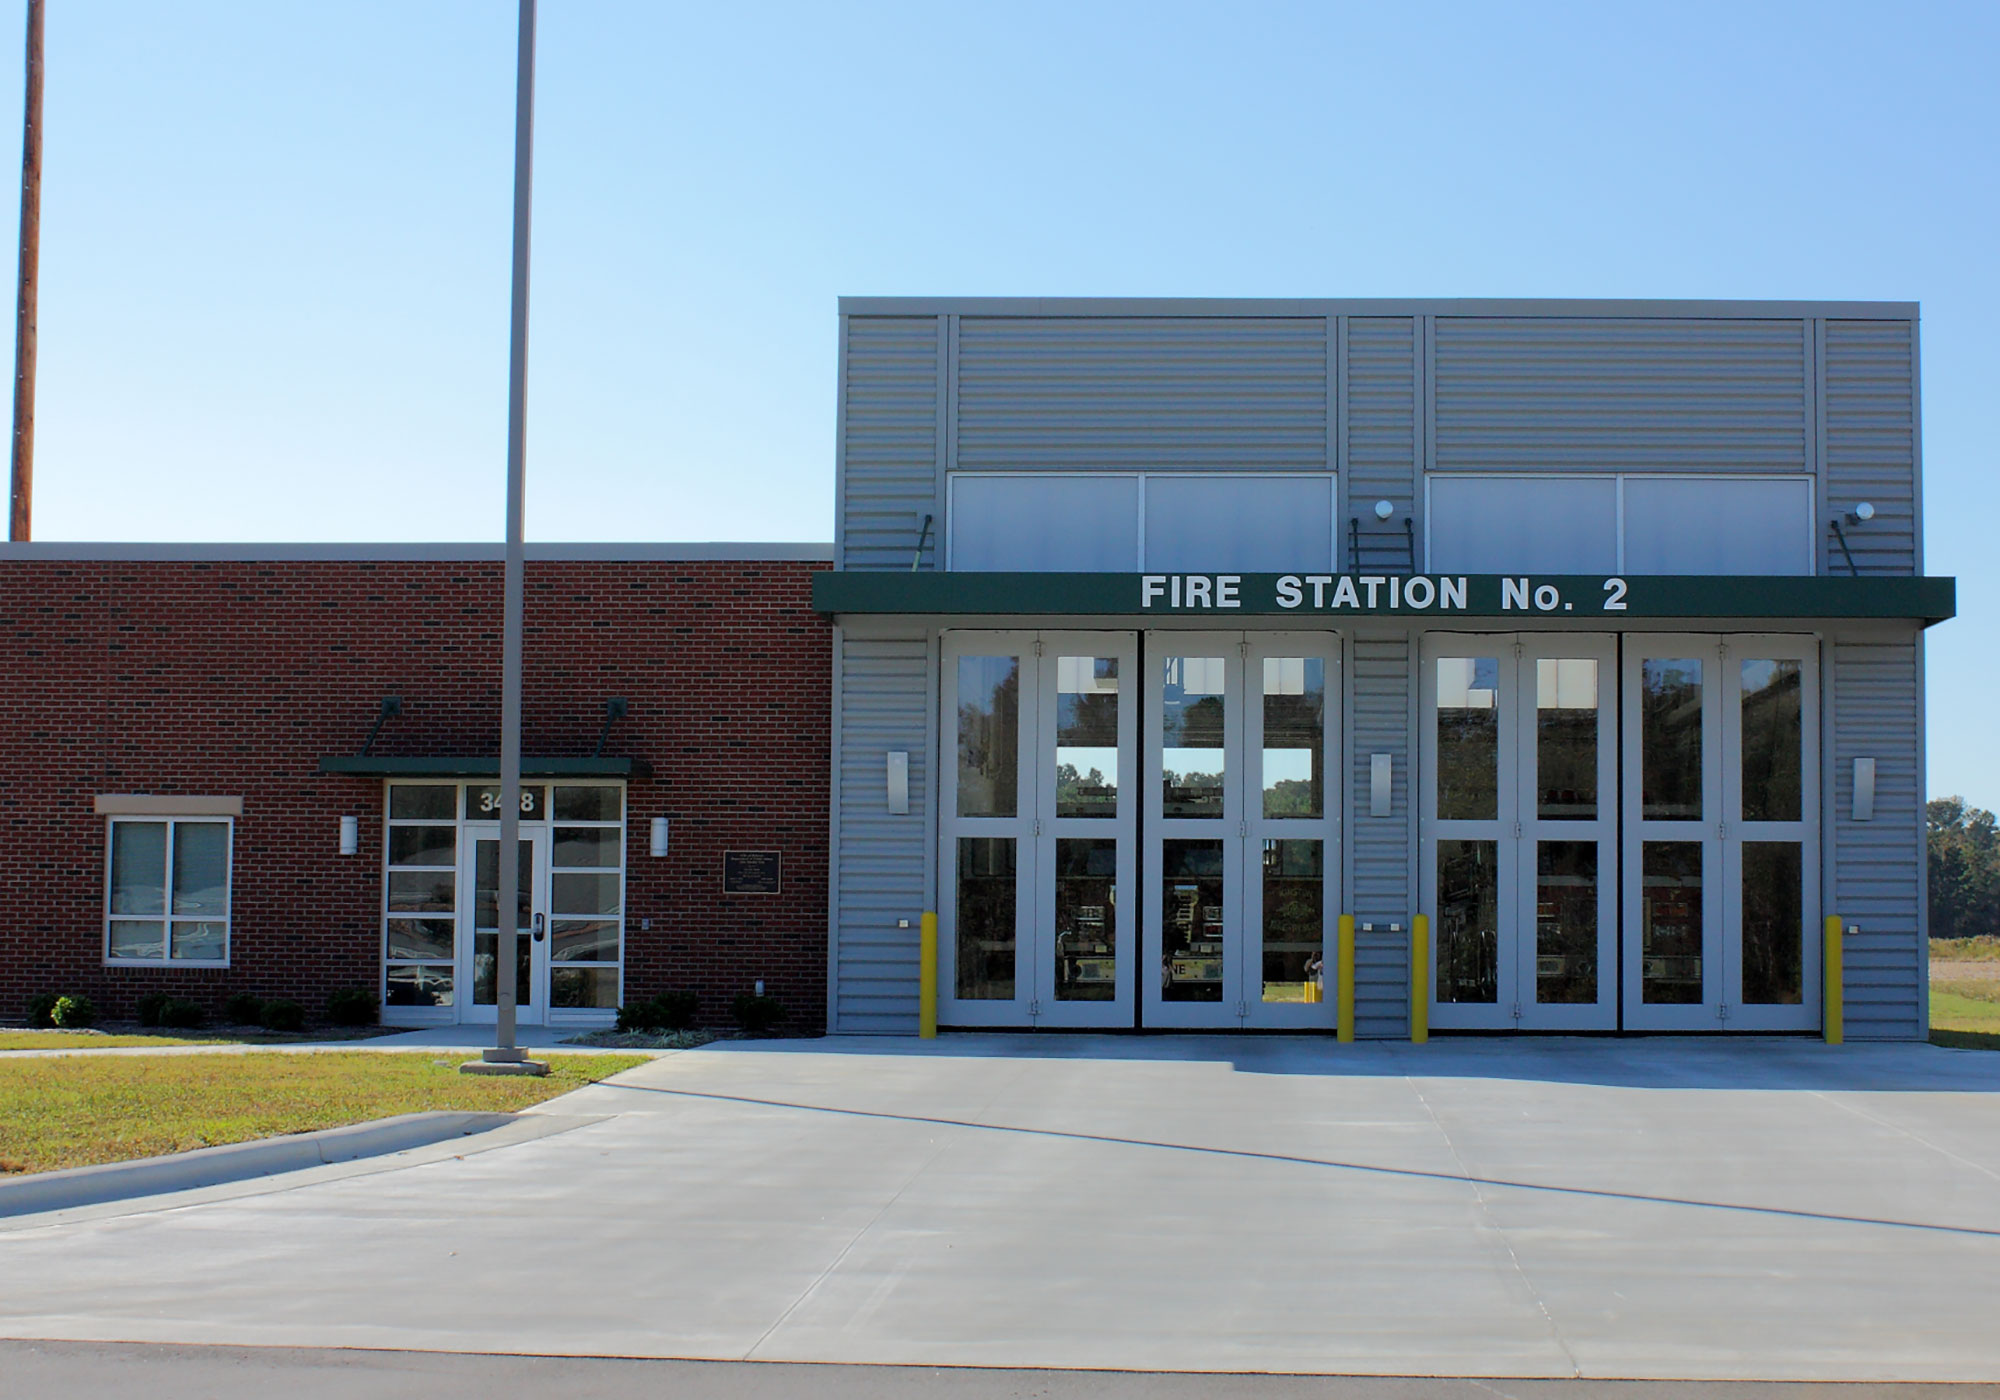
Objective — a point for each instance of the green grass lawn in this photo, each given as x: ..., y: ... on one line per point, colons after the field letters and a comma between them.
x: 75, y: 1110
x: 94, y: 1040
x: 1966, y: 1014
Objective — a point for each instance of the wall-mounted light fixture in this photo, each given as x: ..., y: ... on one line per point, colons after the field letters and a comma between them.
x: 899, y: 783
x: 659, y: 843
x: 1861, y: 514
x: 1380, y: 773
x: 350, y: 835
x: 1864, y: 789
x: 1384, y: 509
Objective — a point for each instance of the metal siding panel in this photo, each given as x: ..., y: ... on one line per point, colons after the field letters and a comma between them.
x: 1381, y: 393
x: 891, y: 420
x: 1871, y: 443
x: 884, y: 705
x: 1878, y: 865
x: 1380, y: 706
x: 1210, y: 394
x: 1553, y: 394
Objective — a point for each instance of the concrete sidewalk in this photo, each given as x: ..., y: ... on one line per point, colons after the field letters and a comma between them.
x: 1636, y: 1208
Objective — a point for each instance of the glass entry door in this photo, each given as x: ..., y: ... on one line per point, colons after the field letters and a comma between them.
x: 1520, y: 830
x: 1242, y: 829
x: 481, y: 950
x: 1721, y: 833
x: 1040, y: 743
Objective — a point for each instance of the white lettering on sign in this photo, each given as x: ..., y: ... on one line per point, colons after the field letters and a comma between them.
x: 1348, y: 592
x: 1513, y: 594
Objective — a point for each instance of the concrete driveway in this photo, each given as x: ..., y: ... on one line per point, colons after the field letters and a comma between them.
x: 1641, y: 1208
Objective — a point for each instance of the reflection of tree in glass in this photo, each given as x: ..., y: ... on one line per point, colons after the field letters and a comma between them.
x: 1292, y: 797
x: 1077, y: 793
x: 1772, y: 750
x: 1670, y: 742
x: 1468, y: 764
x: 989, y: 738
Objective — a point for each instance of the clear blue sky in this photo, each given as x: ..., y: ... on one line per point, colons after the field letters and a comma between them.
x: 275, y: 234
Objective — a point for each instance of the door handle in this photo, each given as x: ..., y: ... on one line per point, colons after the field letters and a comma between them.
x: 538, y: 927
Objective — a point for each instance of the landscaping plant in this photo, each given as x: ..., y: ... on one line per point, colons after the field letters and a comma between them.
x: 353, y: 1006
x: 73, y: 1013
x: 243, y: 1008
x: 179, y: 1013
x: 282, y: 1014
x: 756, y: 1014
x: 150, y: 1006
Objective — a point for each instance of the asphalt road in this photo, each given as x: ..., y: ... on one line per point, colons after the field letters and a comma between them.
x: 113, y: 1371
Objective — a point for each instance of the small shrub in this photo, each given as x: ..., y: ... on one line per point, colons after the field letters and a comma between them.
x: 182, y: 1014
x: 73, y: 1013
x: 150, y: 1006
x: 41, y: 1010
x: 676, y: 1009
x: 639, y: 1016
x: 755, y: 1013
x: 282, y: 1014
x: 353, y: 1006
x: 243, y: 1008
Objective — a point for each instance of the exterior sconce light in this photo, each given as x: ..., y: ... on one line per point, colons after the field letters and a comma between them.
x: 1861, y: 514
x: 658, y: 847
x: 899, y: 783
x: 350, y: 835
x: 1384, y: 509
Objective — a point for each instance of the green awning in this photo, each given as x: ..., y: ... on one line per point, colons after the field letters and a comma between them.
x: 1593, y: 599
x: 488, y: 766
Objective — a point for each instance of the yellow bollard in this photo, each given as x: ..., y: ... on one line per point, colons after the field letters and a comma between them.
x: 1420, y: 979
x: 1344, y: 979
x: 927, y: 990
x: 1836, y: 981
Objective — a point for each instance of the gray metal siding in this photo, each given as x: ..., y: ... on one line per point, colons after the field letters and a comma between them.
x: 1380, y: 711
x: 1207, y: 394
x: 1871, y: 442
x: 1554, y: 394
x: 1878, y: 865
x: 1381, y: 422
x: 884, y: 705
x: 890, y: 441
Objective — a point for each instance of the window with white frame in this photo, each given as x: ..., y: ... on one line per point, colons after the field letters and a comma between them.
x: 167, y: 896
x: 1123, y: 522
x: 1619, y: 523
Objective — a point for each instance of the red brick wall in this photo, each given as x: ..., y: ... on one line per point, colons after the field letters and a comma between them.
x: 234, y: 679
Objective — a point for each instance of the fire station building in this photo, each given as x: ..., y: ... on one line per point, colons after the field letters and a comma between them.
x: 1154, y: 638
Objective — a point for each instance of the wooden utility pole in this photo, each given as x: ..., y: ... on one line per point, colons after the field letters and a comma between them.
x: 21, y: 499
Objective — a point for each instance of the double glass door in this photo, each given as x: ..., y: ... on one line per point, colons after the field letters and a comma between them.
x: 1242, y: 850
x: 1041, y: 737
x: 1535, y: 746
x: 1520, y: 849
x: 1721, y: 849
x: 1060, y: 749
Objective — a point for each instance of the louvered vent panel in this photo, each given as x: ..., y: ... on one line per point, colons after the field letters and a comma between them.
x: 1871, y: 443
x: 891, y: 426
x: 1130, y: 393
x: 1555, y: 394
